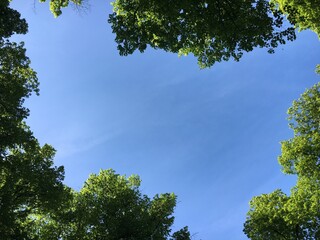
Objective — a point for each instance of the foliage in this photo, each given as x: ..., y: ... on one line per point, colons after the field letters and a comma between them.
x: 302, y: 14
x: 276, y: 215
x: 17, y: 80
x: 300, y: 155
x: 28, y: 183
x: 265, y: 218
x: 182, y: 234
x: 10, y: 21
x: 213, y: 31
x: 110, y: 206
x: 34, y: 203
x: 28, y: 180
x: 57, y: 5
x: 318, y: 69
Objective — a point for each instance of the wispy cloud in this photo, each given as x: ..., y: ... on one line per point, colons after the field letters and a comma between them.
x: 75, y: 140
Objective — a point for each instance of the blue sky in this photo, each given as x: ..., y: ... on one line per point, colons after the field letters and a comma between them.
x: 211, y: 136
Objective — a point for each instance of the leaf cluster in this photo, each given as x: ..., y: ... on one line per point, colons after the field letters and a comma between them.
x: 213, y: 30
x: 276, y: 215
x: 57, y: 5
x: 29, y: 181
x: 300, y: 154
x: 302, y: 14
x: 34, y: 202
x: 110, y: 206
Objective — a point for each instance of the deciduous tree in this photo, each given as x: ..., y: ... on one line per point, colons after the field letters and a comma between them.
x: 300, y: 154
x: 302, y: 14
x: 111, y: 206
x: 29, y: 181
x: 34, y: 203
x: 212, y: 31
x: 276, y: 215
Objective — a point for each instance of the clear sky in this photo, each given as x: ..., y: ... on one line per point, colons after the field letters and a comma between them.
x: 211, y: 136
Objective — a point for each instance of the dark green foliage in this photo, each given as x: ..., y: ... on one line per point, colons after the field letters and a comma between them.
x: 17, y: 80
x: 34, y: 203
x: 28, y: 180
x: 182, y: 234
x: 10, y: 21
x: 28, y: 183
x: 213, y: 31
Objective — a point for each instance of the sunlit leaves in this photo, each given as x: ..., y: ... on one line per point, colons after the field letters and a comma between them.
x: 265, y: 218
x: 303, y: 14
x: 57, y: 5
x: 300, y: 155
x: 276, y: 215
x: 111, y: 206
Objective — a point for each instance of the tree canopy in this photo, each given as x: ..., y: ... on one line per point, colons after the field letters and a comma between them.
x: 276, y: 215
x: 29, y: 181
x: 57, y: 5
x: 211, y: 30
x: 300, y: 154
x: 111, y: 206
x: 34, y: 202
x: 17, y: 79
x: 302, y: 14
